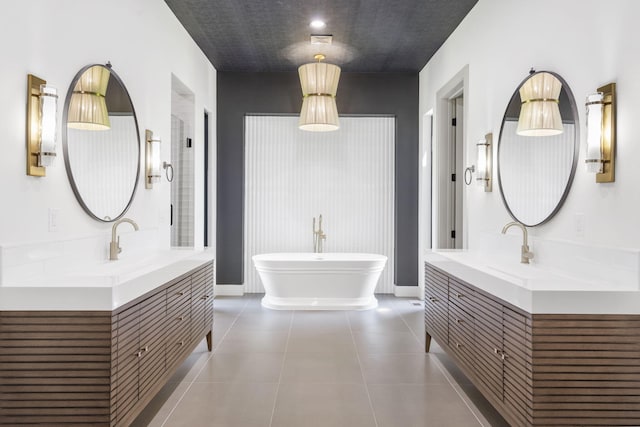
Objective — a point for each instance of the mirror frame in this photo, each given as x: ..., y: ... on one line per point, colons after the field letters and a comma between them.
x: 576, y: 148
x: 65, y: 146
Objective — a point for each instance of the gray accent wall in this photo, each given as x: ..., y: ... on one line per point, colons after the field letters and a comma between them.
x: 279, y: 93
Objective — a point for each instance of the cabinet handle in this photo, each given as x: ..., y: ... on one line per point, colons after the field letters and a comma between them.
x: 181, y: 318
x: 138, y: 354
x: 500, y: 353
x: 458, y: 345
x: 459, y: 321
x: 179, y: 294
x: 145, y: 348
x: 181, y: 343
x: 205, y: 297
x: 433, y: 299
x: 459, y: 295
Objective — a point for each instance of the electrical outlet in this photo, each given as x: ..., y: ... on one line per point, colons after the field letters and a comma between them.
x: 53, y: 219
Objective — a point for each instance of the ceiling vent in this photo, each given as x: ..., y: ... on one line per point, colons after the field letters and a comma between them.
x: 321, y: 39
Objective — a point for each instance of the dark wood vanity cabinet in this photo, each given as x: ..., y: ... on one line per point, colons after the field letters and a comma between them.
x: 537, y: 370
x: 65, y: 368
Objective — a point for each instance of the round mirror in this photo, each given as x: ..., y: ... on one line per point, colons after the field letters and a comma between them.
x: 538, y: 148
x: 101, y: 143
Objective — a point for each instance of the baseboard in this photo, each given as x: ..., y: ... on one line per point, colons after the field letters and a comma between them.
x: 228, y: 290
x: 406, y: 291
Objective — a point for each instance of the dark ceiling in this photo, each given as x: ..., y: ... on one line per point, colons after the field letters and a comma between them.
x: 273, y: 35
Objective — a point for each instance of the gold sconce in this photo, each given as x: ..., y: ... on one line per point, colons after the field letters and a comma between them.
x: 88, y: 107
x: 484, y: 162
x: 319, y: 83
x: 152, y: 159
x: 42, y: 106
x: 540, y: 111
x: 601, y: 133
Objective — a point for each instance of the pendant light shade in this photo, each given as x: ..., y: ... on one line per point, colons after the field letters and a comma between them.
x: 319, y: 83
x: 540, y: 113
x: 87, y: 107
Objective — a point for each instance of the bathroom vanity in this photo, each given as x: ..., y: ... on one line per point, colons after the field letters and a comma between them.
x: 543, y: 350
x: 94, y: 350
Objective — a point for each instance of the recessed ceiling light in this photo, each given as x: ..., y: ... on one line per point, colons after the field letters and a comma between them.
x: 316, y: 23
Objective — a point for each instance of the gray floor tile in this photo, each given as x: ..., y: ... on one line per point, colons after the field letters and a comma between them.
x: 401, y: 369
x: 321, y: 368
x: 321, y: 342
x: 253, y: 341
x: 317, y: 368
x: 242, y: 367
x: 322, y: 405
x: 264, y: 321
x: 420, y: 405
x: 320, y: 321
x: 387, y: 343
x: 377, y: 321
x: 225, y: 404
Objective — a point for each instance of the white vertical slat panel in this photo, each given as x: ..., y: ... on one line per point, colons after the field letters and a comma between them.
x: 292, y: 176
x: 105, y: 165
x: 534, y: 171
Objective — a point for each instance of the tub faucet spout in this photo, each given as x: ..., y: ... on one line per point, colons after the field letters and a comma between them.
x: 525, y: 253
x: 318, y: 235
x: 114, y: 246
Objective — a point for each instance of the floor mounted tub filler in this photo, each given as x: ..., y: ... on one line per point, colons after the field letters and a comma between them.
x: 319, y: 281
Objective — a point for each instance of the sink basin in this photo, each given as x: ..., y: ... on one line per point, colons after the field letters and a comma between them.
x: 122, y: 270
x: 112, y: 273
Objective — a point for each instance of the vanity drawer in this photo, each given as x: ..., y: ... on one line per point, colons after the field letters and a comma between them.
x: 436, y: 279
x: 462, y: 295
x: 179, y: 292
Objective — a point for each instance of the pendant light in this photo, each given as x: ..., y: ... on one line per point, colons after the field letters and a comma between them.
x: 540, y: 112
x: 88, y: 108
x: 319, y: 82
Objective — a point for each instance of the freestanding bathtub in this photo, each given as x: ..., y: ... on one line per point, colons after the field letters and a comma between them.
x: 319, y: 281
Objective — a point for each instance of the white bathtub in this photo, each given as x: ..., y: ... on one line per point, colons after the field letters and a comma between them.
x: 325, y: 281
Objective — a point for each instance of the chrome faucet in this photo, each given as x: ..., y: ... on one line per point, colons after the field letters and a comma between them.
x: 525, y: 254
x: 318, y: 235
x: 114, y: 247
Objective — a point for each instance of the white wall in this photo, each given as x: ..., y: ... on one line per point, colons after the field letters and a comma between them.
x: 54, y: 39
x: 589, y: 44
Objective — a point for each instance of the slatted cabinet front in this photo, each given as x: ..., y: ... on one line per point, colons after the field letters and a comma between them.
x: 541, y: 369
x: 100, y: 368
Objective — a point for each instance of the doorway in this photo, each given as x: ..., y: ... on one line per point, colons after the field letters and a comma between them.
x: 448, y: 160
x: 183, y: 161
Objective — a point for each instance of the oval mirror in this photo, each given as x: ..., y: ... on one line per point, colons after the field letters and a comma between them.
x: 538, y: 148
x: 101, y: 143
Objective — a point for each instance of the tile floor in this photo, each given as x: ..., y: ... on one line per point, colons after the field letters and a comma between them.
x: 318, y: 368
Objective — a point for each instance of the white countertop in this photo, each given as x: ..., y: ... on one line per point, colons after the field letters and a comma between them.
x: 101, y: 287
x: 536, y: 290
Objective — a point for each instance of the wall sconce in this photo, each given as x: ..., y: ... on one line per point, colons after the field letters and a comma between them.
x: 88, y: 107
x: 540, y: 112
x: 484, y: 162
x: 319, y: 83
x: 42, y: 107
x: 152, y: 159
x: 601, y: 133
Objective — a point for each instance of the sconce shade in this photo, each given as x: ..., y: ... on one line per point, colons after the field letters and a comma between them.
x: 42, y: 107
x: 594, y: 132
x: 48, y: 114
x: 152, y: 159
x: 87, y: 107
x: 539, y: 112
x: 484, y: 162
x: 601, y: 133
x: 319, y: 83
